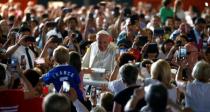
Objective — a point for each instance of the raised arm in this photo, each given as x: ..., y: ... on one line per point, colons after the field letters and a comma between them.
x: 132, y: 103
x: 12, y: 49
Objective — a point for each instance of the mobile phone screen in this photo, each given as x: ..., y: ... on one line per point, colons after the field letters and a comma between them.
x: 182, y: 53
x: 66, y: 86
x: 123, y: 50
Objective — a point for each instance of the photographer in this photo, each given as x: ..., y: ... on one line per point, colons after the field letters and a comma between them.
x: 21, y: 48
x: 59, y: 25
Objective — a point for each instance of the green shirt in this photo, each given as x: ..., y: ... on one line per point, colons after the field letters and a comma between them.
x: 164, y: 13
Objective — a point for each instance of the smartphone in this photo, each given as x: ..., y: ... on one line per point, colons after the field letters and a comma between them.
x: 158, y: 32
x: 182, y: 53
x: 93, y: 92
x: 12, y: 62
x: 122, y: 50
x: 66, y: 86
x: 67, y: 10
x: 205, y: 45
x: 28, y: 17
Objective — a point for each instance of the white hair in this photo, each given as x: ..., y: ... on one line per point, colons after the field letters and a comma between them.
x: 102, y: 32
x: 201, y: 71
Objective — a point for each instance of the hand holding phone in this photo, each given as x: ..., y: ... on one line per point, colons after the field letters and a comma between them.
x: 182, y: 53
x: 66, y: 87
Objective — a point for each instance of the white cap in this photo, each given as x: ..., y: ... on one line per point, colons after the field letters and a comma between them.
x: 102, y: 32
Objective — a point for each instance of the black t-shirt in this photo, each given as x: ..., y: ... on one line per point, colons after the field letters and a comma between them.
x: 123, y: 97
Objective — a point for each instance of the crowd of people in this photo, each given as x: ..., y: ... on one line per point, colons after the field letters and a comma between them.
x: 152, y: 60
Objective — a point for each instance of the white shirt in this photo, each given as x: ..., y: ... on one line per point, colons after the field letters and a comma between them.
x: 198, y: 96
x: 21, y: 51
x: 181, y: 14
x: 53, y: 32
x: 172, y: 92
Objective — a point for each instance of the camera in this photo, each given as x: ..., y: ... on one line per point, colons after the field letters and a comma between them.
x: 182, y: 52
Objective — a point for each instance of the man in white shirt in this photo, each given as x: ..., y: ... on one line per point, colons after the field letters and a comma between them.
x: 101, y: 54
x: 197, y: 95
x: 21, y: 49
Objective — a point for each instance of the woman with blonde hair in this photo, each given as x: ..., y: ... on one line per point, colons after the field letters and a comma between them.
x: 161, y: 72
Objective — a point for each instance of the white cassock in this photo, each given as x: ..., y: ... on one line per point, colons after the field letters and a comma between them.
x: 94, y: 58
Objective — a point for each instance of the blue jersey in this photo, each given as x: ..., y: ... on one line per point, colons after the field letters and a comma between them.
x: 64, y: 73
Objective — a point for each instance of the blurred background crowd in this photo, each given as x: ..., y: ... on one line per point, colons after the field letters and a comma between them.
x: 103, y: 56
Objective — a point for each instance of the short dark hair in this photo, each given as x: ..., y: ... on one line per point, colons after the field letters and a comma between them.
x: 164, y: 43
x: 55, y: 39
x: 129, y: 74
x: 200, y: 21
x: 75, y: 60
x: 166, y: 2
x: 72, y: 19
x: 32, y: 76
x: 152, y: 48
x: 55, y: 102
x: 2, y: 74
x: 156, y: 97
x: 24, y: 29
x: 125, y: 58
